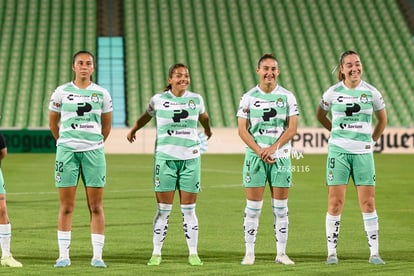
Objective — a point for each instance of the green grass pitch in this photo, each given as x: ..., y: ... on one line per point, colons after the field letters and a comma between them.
x: 129, y: 204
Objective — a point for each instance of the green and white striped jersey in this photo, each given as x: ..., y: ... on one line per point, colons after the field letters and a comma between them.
x: 267, y: 115
x: 177, y: 121
x: 352, y: 111
x: 80, y: 115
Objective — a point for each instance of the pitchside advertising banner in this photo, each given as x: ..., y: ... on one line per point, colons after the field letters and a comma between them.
x: 393, y: 140
x: 29, y: 140
x: 224, y: 140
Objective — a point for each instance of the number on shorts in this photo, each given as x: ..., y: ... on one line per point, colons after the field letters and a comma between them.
x: 59, y: 166
x: 248, y: 165
x: 331, y: 162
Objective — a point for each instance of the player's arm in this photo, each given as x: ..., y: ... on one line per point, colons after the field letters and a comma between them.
x: 106, y: 119
x: 140, y: 123
x: 321, y: 115
x: 3, y: 153
x: 205, y: 122
x: 54, y: 118
x: 381, y: 116
x: 246, y: 136
x: 287, y: 135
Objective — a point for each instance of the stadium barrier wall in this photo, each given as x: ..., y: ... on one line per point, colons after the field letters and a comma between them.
x: 224, y: 140
x: 227, y: 140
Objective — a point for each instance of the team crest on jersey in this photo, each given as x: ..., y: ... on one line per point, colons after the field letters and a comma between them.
x: 280, y: 103
x: 94, y: 98
x: 363, y: 98
x: 191, y: 104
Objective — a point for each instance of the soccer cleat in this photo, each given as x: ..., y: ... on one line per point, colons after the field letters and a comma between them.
x: 10, y: 261
x: 193, y: 259
x: 284, y: 259
x: 332, y: 260
x: 375, y: 259
x: 248, y: 259
x: 62, y: 263
x: 155, y: 260
x: 99, y: 263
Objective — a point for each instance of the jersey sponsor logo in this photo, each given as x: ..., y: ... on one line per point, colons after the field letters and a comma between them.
x: 348, y: 99
x: 343, y: 126
x: 171, y: 132
x: 269, y: 113
x: 75, y: 126
x: 179, y: 114
x: 352, y: 108
x: 83, y: 108
x: 268, y: 131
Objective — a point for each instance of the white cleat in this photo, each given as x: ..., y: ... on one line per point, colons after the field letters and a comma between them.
x: 248, y: 259
x: 284, y: 259
x: 10, y: 261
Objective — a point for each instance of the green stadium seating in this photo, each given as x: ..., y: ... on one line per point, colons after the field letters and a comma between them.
x: 220, y: 41
x: 38, y: 39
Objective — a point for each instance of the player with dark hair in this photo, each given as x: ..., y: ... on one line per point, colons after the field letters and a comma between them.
x: 80, y: 119
x: 267, y: 121
x: 177, y: 163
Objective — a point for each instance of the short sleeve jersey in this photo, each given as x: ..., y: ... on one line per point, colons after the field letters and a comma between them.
x: 267, y: 115
x: 80, y: 115
x: 351, y: 111
x: 177, y: 121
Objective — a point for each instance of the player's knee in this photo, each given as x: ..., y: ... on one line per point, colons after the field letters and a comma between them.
x: 253, y: 209
x: 281, y: 212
